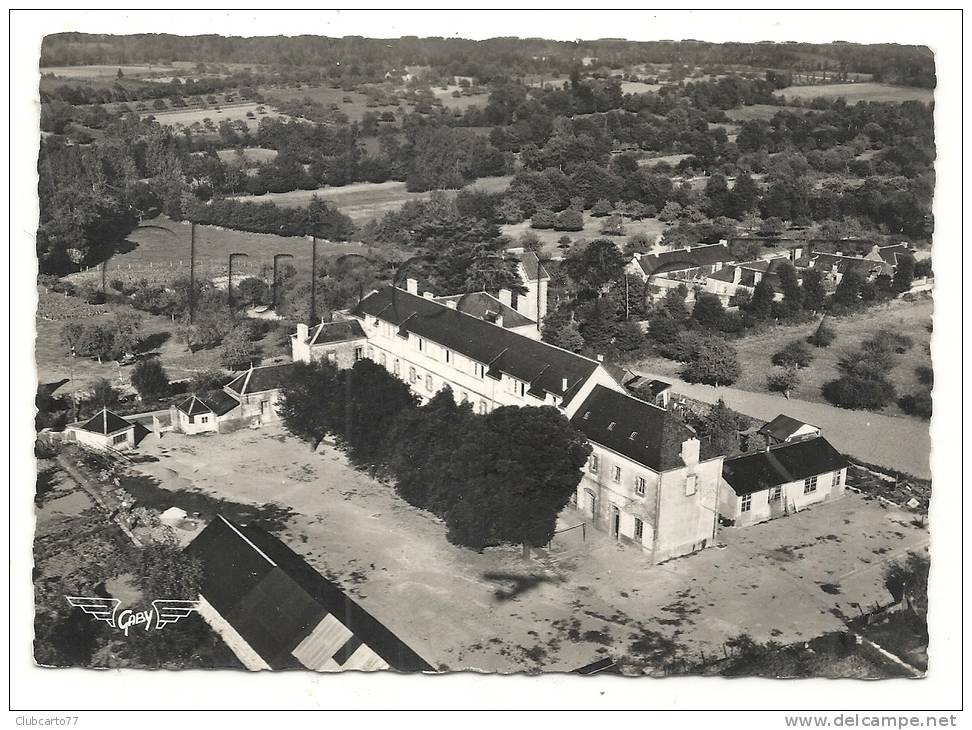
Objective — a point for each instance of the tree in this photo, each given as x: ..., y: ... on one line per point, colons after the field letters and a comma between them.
x: 708, y: 310
x: 784, y: 380
x: 907, y: 582
x: 597, y: 265
x: 602, y: 208
x: 529, y: 464
x: 760, y: 307
x: 569, y: 220
x: 795, y: 354
x: 848, y: 291
x: 543, y: 218
x: 789, y: 285
x: 238, y: 351
x: 858, y: 391
x: 150, y: 379
x: 97, y: 340
x: 567, y: 336
x: 103, y: 394
x: 312, y: 401
x: 207, y: 380
x: 814, y: 293
x: 904, y: 274
x: 252, y: 292
x: 712, y: 361
x: 373, y: 399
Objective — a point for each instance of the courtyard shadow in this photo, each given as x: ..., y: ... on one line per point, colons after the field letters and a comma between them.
x: 516, y: 585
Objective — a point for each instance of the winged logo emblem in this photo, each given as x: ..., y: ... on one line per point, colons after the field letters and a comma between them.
x: 164, y: 611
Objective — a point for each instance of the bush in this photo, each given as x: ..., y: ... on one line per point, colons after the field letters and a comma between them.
x: 888, y: 341
x: 859, y: 392
x: 796, y: 354
x: 150, y: 379
x: 602, y: 208
x: 569, y: 220
x: 822, y: 336
x: 713, y: 362
x: 543, y: 218
x: 917, y: 404
x: 784, y: 380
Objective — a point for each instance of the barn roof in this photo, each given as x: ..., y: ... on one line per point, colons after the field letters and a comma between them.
x: 791, y: 462
x: 218, y: 402
x: 105, y: 422
x: 260, y: 379
x: 338, y: 331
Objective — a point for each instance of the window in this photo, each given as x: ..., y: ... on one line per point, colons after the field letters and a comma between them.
x: 398, y: 367
x: 639, y: 530
x: 633, y: 435
x: 412, y: 376
x: 448, y: 356
x: 120, y: 438
x: 421, y: 343
x: 775, y: 494
x: 521, y: 389
x: 204, y: 419
x: 691, y: 483
x: 640, y: 485
x: 810, y: 485
x: 617, y: 473
x: 464, y: 396
x: 611, y: 426
x: 482, y: 408
x: 836, y: 482
x: 428, y: 382
x: 479, y: 370
x: 593, y: 464
x: 383, y: 360
x: 746, y: 503
x: 192, y: 420
x: 357, y: 354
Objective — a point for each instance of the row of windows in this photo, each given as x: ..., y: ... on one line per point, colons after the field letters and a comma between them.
x: 640, y: 482
x: 776, y: 493
x: 429, y: 382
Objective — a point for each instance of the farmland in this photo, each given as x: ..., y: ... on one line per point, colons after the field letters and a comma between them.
x: 760, y: 111
x: 109, y: 71
x: 227, y: 112
x: 159, y: 251
x: 354, y: 108
x: 251, y: 155
x: 651, y: 227
x: 364, y: 201
x: 460, y: 103
x: 854, y: 93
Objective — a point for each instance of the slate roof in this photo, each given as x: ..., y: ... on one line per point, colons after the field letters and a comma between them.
x: 782, y: 427
x: 609, y: 418
x: 485, y: 306
x: 105, y: 422
x: 531, y: 265
x: 259, y: 379
x: 782, y: 464
x: 217, y: 402
x: 890, y: 254
x: 681, y: 259
x: 337, y: 331
x: 274, y: 599
x: 541, y: 365
x: 827, y: 261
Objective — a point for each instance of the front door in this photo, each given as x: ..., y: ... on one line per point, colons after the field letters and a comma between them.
x: 265, y: 413
x: 592, y: 503
x: 615, y: 522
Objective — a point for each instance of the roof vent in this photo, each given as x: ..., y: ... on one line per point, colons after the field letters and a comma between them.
x: 587, y: 415
x: 611, y: 426
x: 632, y: 436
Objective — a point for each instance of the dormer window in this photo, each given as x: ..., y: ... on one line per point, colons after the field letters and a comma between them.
x: 611, y: 426
x: 587, y: 416
x: 632, y: 436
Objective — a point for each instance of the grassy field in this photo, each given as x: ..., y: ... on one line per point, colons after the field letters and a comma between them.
x: 161, y: 255
x: 670, y: 159
x: 460, y: 103
x: 854, y: 93
x: 755, y: 351
x: 109, y: 71
x: 355, y: 108
x: 228, y: 112
x: 652, y: 227
x: 251, y: 155
x: 759, y: 111
x: 364, y: 201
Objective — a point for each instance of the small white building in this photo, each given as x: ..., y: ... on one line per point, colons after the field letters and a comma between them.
x: 206, y: 412
x: 104, y: 430
x: 780, y: 480
x: 783, y: 430
x: 341, y: 342
x: 258, y: 391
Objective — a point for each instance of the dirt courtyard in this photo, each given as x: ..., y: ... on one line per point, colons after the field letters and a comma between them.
x: 576, y: 602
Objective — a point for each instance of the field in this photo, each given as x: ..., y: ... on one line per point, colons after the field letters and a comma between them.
x: 670, y: 159
x: 759, y: 111
x: 161, y: 255
x: 652, y: 227
x: 226, y: 112
x: 579, y: 600
x: 325, y: 95
x: 364, y: 201
x: 864, y: 91
x: 251, y: 155
x: 638, y: 87
x: 460, y: 103
x: 755, y: 351
x: 109, y: 71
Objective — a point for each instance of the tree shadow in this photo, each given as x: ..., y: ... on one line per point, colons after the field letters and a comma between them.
x: 153, y: 342
x: 518, y: 584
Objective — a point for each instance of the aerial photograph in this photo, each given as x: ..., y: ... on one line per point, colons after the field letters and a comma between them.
x: 508, y: 356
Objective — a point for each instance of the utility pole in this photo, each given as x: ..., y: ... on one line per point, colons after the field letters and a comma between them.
x: 313, y: 298
x: 192, y: 272
x: 276, y: 264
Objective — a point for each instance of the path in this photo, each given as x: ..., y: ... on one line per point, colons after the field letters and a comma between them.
x: 899, y: 443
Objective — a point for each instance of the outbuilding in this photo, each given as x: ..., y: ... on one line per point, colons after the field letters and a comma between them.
x: 104, y: 430
x: 200, y: 413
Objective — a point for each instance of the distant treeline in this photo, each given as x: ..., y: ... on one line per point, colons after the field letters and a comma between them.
x: 488, y: 60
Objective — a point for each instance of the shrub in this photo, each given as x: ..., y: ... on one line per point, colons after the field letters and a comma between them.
x: 796, y: 354
x: 712, y: 361
x: 569, y: 220
x: 543, y: 218
x: 150, y: 379
x: 602, y: 208
x: 822, y: 336
x: 917, y: 404
x: 888, y: 341
x: 859, y: 392
x: 784, y: 380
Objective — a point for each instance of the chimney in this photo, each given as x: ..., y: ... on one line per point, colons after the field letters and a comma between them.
x: 736, y: 275
x: 411, y: 286
x: 600, y: 358
x: 499, y: 320
x: 839, y: 253
x: 563, y: 385
x: 428, y: 295
x: 506, y: 297
x: 757, y: 276
x: 451, y: 303
x: 723, y: 242
x: 690, y: 452
x: 302, y: 332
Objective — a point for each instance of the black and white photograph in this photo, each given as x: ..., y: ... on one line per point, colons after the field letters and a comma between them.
x: 393, y: 346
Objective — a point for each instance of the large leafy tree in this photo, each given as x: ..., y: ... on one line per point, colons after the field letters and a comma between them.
x: 312, y: 402
x: 373, y: 400
x: 150, y: 379
x: 712, y: 361
x: 595, y: 266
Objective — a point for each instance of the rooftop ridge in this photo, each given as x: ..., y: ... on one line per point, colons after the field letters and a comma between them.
x: 247, y: 540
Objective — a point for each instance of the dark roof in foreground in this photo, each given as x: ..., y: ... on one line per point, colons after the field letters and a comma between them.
x: 641, y: 431
x: 782, y: 464
x: 485, y: 306
x: 337, y: 331
x: 215, y: 401
x: 541, y: 365
x: 274, y: 599
x: 105, y: 422
x: 256, y: 380
x: 782, y: 427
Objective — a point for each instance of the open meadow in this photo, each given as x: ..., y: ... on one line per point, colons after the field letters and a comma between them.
x: 352, y: 103
x: 365, y: 201
x: 651, y: 227
x: 459, y: 103
x: 864, y: 91
x: 217, y: 114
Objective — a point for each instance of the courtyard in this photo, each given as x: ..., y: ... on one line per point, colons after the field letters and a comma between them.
x: 576, y: 601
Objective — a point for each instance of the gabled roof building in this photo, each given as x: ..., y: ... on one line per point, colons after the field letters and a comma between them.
x: 104, y: 430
